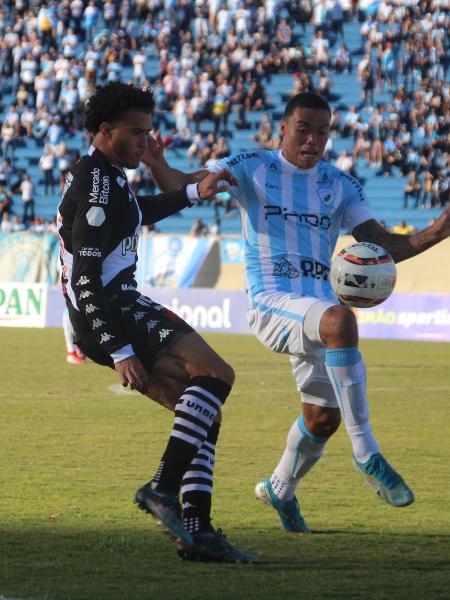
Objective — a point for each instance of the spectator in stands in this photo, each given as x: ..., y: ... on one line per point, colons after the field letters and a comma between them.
x: 5, y: 201
x: 403, y: 228
x: 199, y: 229
x: 47, y: 164
x: 8, y: 140
x: 27, y: 192
x: 413, y: 189
x: 6, y: 225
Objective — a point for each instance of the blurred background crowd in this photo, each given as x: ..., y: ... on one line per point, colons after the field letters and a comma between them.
x: 221, y: 72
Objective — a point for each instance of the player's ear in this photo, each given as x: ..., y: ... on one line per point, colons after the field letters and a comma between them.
x: 106, y: 129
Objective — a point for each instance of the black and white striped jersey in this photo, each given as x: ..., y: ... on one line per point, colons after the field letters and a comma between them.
x: 99, y: 219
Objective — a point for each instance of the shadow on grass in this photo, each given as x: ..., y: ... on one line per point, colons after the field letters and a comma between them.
x: 61, y: 563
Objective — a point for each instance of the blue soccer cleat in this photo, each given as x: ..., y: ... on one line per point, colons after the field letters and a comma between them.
x: 288, y: 511
x: 166, y: 509
x: 385, y: 481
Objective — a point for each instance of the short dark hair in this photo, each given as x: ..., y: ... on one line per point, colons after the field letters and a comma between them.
x: 111, y: 101
x: 306, y: 100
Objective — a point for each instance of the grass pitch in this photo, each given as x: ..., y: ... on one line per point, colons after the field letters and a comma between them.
x: 73, y: 453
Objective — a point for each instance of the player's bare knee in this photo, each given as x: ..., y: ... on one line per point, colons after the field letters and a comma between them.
x: 323, y: 424
x: 338, y: 327
x: 214, y: 368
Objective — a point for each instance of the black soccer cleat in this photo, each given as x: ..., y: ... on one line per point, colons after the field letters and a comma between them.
x: 212, y: 546
x: 166, y: 509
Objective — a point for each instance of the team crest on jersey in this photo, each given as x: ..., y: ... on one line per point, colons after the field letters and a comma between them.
x: 284, y: 268
x: 326, y: 196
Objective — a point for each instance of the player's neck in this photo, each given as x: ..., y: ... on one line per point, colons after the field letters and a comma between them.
x: 291, y: 165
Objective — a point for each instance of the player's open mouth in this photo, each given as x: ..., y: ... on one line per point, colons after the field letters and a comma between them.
x: 307, y: 154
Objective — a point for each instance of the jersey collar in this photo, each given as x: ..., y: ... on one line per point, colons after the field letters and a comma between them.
x: 293, y: 168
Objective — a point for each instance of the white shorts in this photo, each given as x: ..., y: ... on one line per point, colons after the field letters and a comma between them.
x: 278, y: 321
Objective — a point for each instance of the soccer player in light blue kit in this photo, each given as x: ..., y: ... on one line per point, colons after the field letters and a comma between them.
x: 293, y: 205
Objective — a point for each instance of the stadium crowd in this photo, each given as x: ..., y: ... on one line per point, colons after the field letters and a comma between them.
x: 217, y: 59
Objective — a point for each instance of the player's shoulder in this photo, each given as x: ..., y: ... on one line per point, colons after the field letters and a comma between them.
x: 246, y: 157
x: 330, y: 172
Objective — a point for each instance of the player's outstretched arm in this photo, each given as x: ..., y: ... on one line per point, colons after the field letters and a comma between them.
x: 402, y: 247
x: 165, y: 177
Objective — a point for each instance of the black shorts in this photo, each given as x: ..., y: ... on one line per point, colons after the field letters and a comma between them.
x: 150, y: 327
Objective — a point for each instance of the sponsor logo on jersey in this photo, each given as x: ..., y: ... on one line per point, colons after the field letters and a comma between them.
x: 130, y: 244
x: 100, y: 187
x: 308, y: 268
x: 95, y: 216
x: 95, y: 252
x: 355, y: 184
x: 127, y: 287
x: 164, y: 333
x: 321, y: 221
x: 105, y: 337
x: 96, y: 323
x: 326, y: 196
x: 273, y: 186
x: 240, y: 157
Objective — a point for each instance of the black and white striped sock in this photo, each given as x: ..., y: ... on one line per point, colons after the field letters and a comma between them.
x: 197, y: 485
x: 194, y: 417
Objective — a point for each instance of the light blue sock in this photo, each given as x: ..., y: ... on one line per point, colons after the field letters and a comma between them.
x: 347, y: 373
x: 303, y: 450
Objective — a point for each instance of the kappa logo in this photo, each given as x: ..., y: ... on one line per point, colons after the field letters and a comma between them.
x: 90, y: 308
x: 138, y: 315
x: 164, y: 333
x: 85, y: 294
x: 83, y: 280
x: 124, y: 309
x: 151, y: 325
x: 326, y: 196
x: 96, y: 323
x: 105, y: 337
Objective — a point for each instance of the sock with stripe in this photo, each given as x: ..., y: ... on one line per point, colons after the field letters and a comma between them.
x: 195, y: 414
x: 347, y: 373
x: 303, y: 450
x: 197, y: 485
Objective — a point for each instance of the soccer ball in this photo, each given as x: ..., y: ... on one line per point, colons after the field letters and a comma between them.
x: 363, y: 275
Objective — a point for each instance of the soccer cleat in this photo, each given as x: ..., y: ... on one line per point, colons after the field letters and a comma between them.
x: 385, y: 481
x: 75, y: 359
x: 288, y: 511
x: 212, y: 546
x: 166, y: 509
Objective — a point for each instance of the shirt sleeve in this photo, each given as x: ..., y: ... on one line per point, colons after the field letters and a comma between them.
x: 91, y: 232
x: 357, y: 209
x: 156, y: 208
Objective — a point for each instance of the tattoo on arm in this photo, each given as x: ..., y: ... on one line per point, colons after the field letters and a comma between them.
x: 400, y: 247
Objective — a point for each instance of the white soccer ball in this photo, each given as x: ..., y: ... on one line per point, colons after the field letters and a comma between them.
x: 363, y: 275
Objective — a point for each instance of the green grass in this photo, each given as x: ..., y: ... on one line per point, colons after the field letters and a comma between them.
x: 73, y: 453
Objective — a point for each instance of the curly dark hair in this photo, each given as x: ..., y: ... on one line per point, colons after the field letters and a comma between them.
x: 111, y: 101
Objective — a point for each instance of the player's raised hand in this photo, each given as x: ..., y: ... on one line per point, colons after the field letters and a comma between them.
x: 155, y: 149
x: 214, y: 183
x: 131, y: 372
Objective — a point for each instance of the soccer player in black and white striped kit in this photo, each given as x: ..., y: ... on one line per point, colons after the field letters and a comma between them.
x: 151, y: 348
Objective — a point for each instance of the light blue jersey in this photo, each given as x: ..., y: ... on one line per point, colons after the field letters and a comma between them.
x: 291, y: 219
